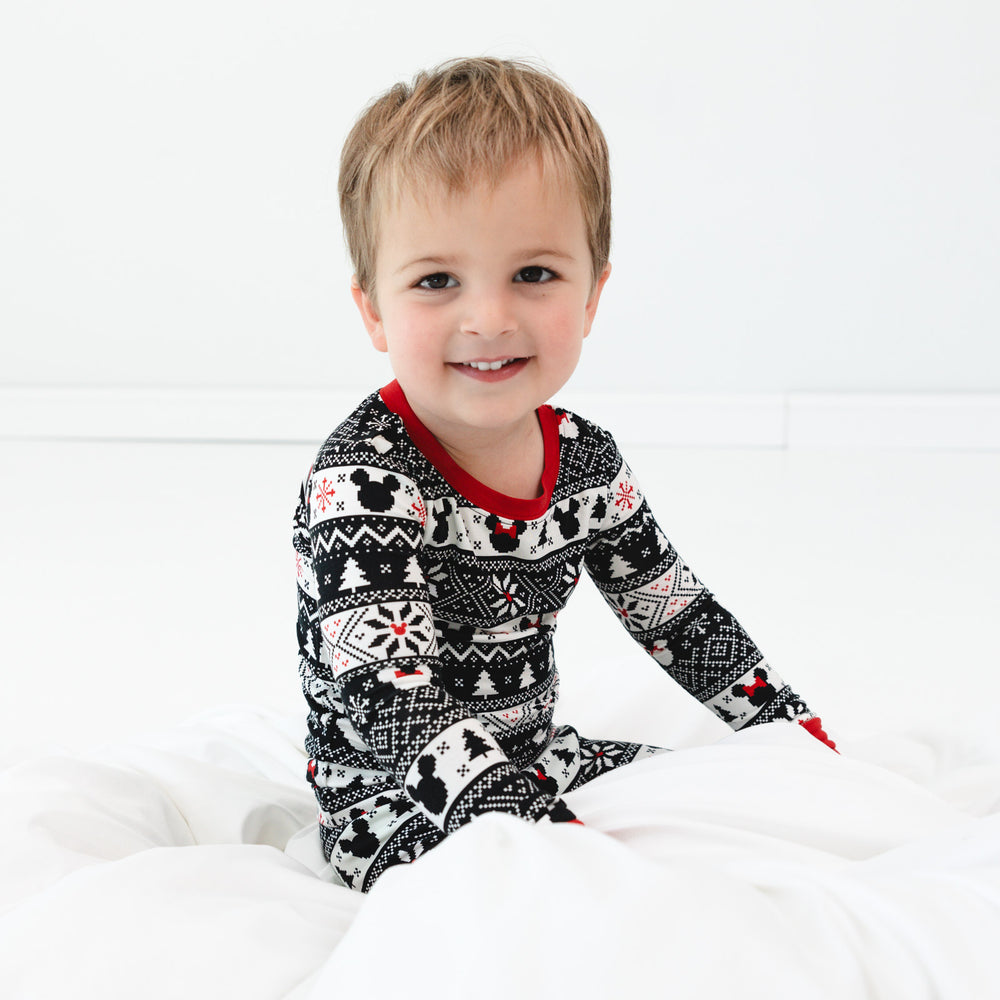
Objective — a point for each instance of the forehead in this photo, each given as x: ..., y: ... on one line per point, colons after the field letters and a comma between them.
x: 528, y: 201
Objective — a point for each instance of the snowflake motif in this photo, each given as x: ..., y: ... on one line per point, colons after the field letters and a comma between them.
x: 625, y: 497
x: 605, y: 755
x: 509, y: 599
x: 627, y: 610
x: 323, y: 494
x: 420, y: 509
x: 396, y: 633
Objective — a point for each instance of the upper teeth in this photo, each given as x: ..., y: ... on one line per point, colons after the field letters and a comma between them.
x: 488, y: 366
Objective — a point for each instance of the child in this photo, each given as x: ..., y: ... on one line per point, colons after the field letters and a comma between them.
x: 445, y: 523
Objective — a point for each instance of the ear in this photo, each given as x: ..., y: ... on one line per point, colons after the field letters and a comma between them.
x: 369, y: 315
x: 595, y: 296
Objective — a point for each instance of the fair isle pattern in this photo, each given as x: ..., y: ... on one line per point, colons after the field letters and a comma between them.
x: 426, y: 616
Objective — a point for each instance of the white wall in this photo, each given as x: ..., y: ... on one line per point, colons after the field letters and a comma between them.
x: 806, y: 192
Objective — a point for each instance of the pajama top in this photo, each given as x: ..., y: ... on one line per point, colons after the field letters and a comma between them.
x: 427, y: 606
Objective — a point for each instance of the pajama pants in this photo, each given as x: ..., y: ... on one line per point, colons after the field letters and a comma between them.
x: 396, y: 832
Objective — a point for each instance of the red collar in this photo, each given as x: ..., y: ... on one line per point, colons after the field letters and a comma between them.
x: 512, y: 508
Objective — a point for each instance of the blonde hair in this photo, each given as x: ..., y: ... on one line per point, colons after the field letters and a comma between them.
x: 465, y: 122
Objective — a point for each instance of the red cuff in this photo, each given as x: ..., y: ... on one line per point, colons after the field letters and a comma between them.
x: 814, y: 726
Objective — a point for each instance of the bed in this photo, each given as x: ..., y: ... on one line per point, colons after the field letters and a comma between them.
x: 762, y: 864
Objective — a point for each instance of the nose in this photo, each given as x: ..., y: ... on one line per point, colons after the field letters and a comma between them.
x: 489, y: 313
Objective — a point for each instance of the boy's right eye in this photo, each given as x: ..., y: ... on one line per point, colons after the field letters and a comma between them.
x: 436, y: 282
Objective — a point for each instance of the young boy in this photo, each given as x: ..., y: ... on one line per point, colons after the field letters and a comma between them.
x: 445, y: 523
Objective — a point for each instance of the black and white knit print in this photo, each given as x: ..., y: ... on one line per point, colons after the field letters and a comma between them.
x: 427, y: 605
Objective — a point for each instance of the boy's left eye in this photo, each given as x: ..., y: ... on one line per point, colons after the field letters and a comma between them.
x: 534, y: 275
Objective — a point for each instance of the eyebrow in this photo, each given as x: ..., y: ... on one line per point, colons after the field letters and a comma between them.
x: 448, y: 261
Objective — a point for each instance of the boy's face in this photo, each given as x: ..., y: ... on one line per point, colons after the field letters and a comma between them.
x: 498, y: 275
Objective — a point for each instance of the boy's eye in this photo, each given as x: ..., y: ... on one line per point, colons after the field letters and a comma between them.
x: 534, y: 275
x: 435, y: 282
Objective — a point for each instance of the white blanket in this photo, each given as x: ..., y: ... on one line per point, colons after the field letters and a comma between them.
x: 763, y: 865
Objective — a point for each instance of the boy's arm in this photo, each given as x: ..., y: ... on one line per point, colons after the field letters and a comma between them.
x: 379, y: 650
x: 678, y: 621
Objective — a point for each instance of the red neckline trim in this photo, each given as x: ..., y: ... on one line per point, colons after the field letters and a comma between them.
x: 513, y: 508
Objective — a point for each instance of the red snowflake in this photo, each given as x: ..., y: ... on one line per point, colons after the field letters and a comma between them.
x: 625, y: 495
x: 421, y: 510
x: 323, y: 494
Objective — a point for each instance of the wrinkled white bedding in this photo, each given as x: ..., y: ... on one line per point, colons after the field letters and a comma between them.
x: 763, y: 865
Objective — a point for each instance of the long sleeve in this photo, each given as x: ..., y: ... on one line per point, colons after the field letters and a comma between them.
x: 373, y: 669
x: 677, y: 620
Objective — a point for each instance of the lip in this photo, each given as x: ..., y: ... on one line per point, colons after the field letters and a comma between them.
x: 500, y: 375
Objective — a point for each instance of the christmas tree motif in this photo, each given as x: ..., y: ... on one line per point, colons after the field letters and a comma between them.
x: 721, y: 712
x: 475, y: 744
x: 353, y: 576
x: 600, y: 509
x: 413, y: 572
x: 485, y: 686
x: 527, y: 677
x: 620, y: 566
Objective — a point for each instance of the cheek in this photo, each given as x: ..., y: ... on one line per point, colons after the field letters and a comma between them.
x: 565, y: 320
x: 415, y: 333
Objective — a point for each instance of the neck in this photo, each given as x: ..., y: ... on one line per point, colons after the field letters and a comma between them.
x: 509, y: 461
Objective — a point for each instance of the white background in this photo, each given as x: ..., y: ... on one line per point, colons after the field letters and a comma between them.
x: 805, y: 192
x: 805, y: 202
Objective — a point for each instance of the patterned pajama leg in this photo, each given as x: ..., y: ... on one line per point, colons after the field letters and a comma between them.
x: 395, y: 832
x: 570, y: 760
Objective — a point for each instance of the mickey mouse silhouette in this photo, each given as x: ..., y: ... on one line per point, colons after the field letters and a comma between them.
x: 430, y: 789
x: 569, y: 523
x: 376, y: 497
x: 544, y: 782
x: 759, y: 693
x: 503, y: 538
x: 365, y: 843
x: 441, y: 522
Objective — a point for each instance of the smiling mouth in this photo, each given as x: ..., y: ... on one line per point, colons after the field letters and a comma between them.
x: 489, y: 366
